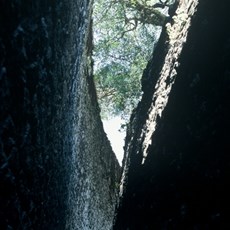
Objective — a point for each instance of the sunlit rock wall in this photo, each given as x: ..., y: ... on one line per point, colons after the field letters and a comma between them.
x: 57, y: 169
x: 176, y: 169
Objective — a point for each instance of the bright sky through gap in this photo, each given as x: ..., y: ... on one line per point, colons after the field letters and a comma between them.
x: 116, y: 137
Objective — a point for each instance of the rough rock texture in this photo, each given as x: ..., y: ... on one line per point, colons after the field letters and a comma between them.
x: 57, y: 169
x: 176, y: 169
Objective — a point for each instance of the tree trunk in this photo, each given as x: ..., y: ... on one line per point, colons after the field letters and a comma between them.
x: 57, y: 169
x: 176, y: 170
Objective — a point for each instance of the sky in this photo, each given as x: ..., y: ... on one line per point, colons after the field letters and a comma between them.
x: 116, y: 137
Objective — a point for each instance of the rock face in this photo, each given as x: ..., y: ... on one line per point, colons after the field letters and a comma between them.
x: 176, y: 169
x: 57, y: 169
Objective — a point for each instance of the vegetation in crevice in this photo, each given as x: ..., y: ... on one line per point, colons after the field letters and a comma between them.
x: 125, y: 33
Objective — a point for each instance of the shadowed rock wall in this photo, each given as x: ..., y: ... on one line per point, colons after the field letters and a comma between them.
x: 57, y: 169
x: 176, y: 170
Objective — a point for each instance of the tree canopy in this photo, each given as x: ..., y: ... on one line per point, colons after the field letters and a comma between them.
x: 125, y: 32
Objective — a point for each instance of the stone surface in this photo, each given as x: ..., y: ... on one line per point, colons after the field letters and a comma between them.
x: 176, y: 170
x: 57, y: 169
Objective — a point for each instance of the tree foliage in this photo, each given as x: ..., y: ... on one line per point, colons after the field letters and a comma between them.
x: 124, y: 35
